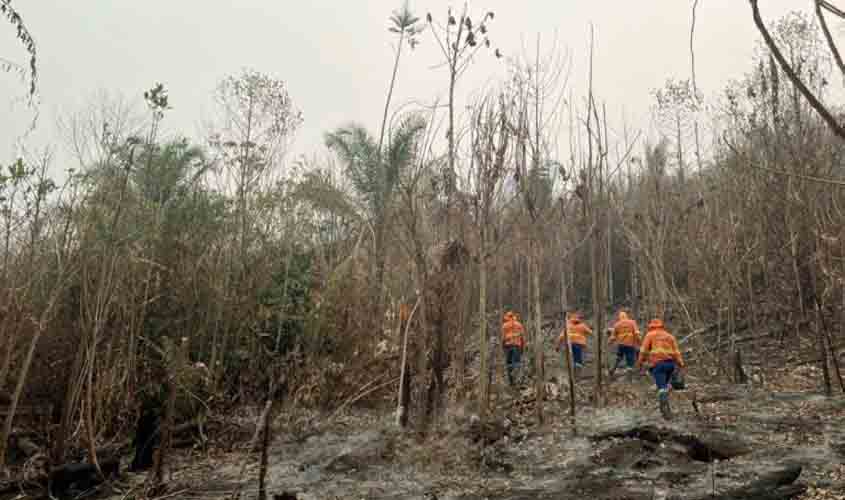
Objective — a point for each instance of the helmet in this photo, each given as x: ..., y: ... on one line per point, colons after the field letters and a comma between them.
x: 655, y: 324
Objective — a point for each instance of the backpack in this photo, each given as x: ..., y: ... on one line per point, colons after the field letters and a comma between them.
x: 677, y: 381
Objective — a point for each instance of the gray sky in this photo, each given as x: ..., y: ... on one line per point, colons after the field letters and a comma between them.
x: 336, y: 55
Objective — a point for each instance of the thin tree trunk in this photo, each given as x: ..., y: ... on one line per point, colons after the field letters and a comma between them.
x: 497, y: 367
x: 11, y: 344
x: 450, y: 182
x: 823, y: 354
x: 404, y: 392
x: 175, y: 367
x: 483, y: 342
x: 832, y: 352
x: 539, y: 366
x: 282, y: 314
x: 464, y: 301
x: 598, y: 309
x: 610, y: 297
x: 265, y: 445
x: 570, y: 368
x: 69, y: 406
x: 821, y: 332
x: 390, y: 90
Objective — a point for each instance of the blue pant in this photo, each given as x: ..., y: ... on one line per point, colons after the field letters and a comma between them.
x: 578, y: 354
x: 628, y: 353
x: 662, y: 373
x: 513, y: 360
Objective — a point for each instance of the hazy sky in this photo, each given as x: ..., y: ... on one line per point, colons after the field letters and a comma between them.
x: 336, y: 55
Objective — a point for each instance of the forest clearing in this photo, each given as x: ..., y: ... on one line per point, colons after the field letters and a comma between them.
x: 502, y: 292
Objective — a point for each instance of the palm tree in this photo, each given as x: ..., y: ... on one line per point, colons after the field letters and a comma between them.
x: 375, y: 176
x: 172, y: 168
x: 404, y: 24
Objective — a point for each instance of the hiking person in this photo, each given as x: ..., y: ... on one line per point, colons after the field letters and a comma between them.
x: 626, y: 335
x: 513, y: 342
x: 660, y: 349
x: 577, y: 332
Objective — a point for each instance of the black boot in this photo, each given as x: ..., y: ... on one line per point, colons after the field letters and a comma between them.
x: 665, y: 410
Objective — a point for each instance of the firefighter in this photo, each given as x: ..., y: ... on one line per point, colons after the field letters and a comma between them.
x: 577, y: 332
x: 626, y: 335
x: 660, y: 350
x: 513, y: 343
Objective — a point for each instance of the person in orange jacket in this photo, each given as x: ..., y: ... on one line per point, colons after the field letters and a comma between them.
x: 626, y: 335
x: 660, y: 349
x: 513, y: 342
x: 577, y: 332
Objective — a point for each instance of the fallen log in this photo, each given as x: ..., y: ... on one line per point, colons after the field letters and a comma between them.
x: 703, y: 445
x: 81, y: 476
x: 710, y: 328
x: 718, y: 398
x: 62, y: 479
x: 775, y: 485
x: 726, y: 344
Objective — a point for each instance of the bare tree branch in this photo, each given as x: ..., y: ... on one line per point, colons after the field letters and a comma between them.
x: 833, y: 9
x: 692, y: 46
x: 814, y: 102
x: 827, y: 35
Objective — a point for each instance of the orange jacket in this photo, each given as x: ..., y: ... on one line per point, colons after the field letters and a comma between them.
x: 577, y: 332
x: 625, y: 331
x: 659, y: 345
x: 513, y: 334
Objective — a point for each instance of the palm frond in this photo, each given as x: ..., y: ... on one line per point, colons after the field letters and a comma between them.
x: 402, y: 148
x: 375, y: 175
x: 357, y: 150
x: 403, y: 19
x: 318, y: 190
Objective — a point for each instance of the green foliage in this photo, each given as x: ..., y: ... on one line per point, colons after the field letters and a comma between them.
x: 156, y: 99
x: 376, y: 176
x: 171, y: 171
x: 323, y: 195
x: 23, y: 35
x: 404, y: 22
x: 287, y: 301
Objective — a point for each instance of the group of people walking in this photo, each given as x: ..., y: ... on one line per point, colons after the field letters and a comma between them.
x: 657, y: 351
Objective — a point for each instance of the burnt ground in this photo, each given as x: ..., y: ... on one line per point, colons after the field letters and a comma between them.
x: 723, y: 437
x: 617, y: 453
x: 778, y: 435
